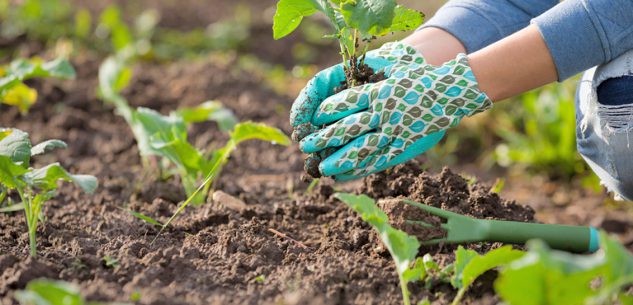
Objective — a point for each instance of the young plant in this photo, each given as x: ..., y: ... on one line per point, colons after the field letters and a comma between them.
x: 35, y: 186
x: 545, y: 276
x: 469, y: 265
x: 14, y: 92
x: 354, y: 21
x: 49, y: 292
x: 402, y: 247
x: 166, y: 136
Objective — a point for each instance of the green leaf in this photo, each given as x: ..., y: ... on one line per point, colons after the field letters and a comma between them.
x: 476, y: 265
x: 619, y: 260
x: 405, y: 19
x: 59, y: 68
x: 208, y: 111
x: 13, y: 208
x: 372, y: 17
x: 48, y: 292
x: 20, y: 96
x: 289, y: 15
x: 10, y: 173
x: 548, y: 277
x: 47, y: 146
x: 462, y: 259
x: 151, y: 126
x: 46, y: 178
x: 249, y: 130
x: 145, y: 218
x: 114, y: 76
x: 403, y: 248
x: 16, y: 145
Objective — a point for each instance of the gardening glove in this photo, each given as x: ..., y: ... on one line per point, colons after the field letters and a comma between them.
x: 376, y: 126
x: 323, y: 84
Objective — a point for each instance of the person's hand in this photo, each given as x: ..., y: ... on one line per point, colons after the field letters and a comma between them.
x: 376, y: 126
x: 323, y: 84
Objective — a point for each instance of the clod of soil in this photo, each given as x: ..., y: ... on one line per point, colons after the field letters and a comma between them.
x: 447, y: 191
x: 361, y: 74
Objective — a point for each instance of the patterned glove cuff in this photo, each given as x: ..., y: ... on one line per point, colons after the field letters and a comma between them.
x: 399, y: 52
x: 456, y: 82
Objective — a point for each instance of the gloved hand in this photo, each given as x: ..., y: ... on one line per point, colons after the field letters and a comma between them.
x: 376, y: 126
x: 323, y: 84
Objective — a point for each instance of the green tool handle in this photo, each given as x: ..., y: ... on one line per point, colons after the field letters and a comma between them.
x: 568, y: 238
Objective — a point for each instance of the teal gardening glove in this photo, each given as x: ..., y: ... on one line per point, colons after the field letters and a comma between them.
x: 377, y: 126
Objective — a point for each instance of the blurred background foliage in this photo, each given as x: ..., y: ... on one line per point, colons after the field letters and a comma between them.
x: 530, y: 135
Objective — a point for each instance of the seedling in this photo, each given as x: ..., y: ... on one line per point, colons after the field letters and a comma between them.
x: 242, y: 132
x: 35, y: 186
x: 545, y: 276
x: 402, y: 247
x: 14, y: 92
x: 110, y: 262
x: 51, y: 292
x: 159, y: 135
x: 354, y: 22
x: 469, y: 265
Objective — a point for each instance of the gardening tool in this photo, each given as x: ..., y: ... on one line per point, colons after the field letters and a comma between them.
x: 464, y: 229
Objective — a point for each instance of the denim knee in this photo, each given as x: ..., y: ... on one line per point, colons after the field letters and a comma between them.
x: 604, y: 123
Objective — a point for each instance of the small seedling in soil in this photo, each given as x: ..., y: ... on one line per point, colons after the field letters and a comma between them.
x: 110, y: 262
x: 166, y: 136
x: 14, y: 92
x: 402, y: 247
x: 545, y: 276
x: 49, y: 292
x: 469, y: 265
x: 35, y: 186
x: 354, y: 22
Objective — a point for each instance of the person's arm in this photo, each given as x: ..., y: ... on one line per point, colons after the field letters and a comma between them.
x: 466, y: 26
x: 572, y: 37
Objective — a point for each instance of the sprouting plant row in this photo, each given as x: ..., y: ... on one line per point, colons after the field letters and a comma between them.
x: 540, y: 276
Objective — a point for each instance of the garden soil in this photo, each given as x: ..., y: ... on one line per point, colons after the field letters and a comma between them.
x: 213, y: 254
x: 273, y: 244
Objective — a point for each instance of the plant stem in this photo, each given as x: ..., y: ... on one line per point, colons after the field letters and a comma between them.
x: 405, y: 291
x: 31, y: 222
x: 3, y: 195
x: 459, y: 296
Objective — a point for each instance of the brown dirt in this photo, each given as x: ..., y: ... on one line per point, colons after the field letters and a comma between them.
x: 212, y: 254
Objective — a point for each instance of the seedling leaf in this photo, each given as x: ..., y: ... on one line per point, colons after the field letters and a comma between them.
x: 16, y: 145
x: 405, y: 19
x: 47, y: 146
x: 479, y: 264
x: 208, y: 111
x: 369, y: 16
x: 46, y: 178
x: 20, y: 96
x: 145, y: 218
x: 289, y: 15
x: 10, y: 173
x: 403, y: 248
x: 48, y: 292
x: 249, y: 130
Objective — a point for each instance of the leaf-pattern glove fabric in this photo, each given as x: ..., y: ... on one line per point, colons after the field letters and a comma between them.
x: 323, y: 84
x: 387, y: 123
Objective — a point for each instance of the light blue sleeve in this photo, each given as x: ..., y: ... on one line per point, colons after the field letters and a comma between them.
x: 583, y: 33
x: 479, y: 23
x: 580, y: 34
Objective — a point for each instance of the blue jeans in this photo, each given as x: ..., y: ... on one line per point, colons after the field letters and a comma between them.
x: 604, y: 123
